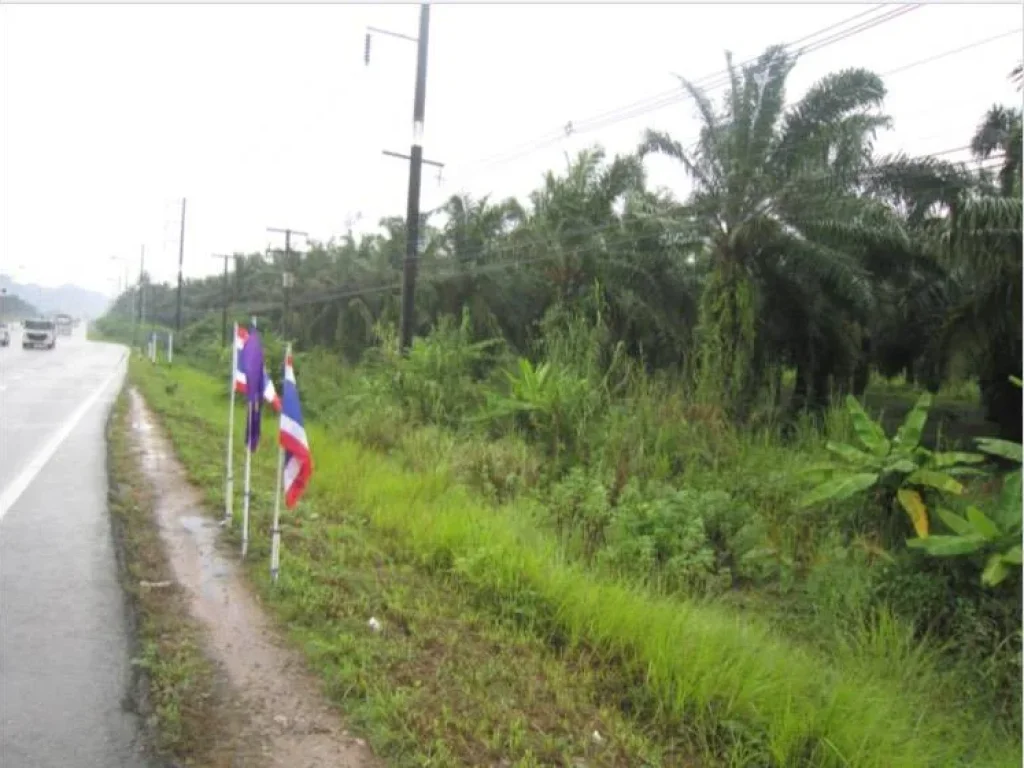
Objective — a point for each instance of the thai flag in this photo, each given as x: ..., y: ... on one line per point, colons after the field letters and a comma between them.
x: 298, y: 461
x: 269, y: 391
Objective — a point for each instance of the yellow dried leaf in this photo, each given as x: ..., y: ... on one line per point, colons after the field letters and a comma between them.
x: 912, y: 502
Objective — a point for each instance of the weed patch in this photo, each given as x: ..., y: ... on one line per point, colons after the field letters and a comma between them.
x: 728, y: 685
x: 442, y: 682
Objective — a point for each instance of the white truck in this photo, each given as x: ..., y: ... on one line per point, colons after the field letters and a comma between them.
x: 39, y: 333
x: 65, y: 324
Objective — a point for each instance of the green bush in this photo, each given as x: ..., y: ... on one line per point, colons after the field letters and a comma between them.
x: 639, y: 481
x: 678, y: 540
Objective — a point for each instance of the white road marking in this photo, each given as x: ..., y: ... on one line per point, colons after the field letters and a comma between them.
x: 17, y: 487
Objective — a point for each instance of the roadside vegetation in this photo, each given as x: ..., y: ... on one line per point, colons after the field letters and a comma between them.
x: 731, y: 480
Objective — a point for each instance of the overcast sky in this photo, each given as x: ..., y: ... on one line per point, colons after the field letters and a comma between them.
x: 265, y: 116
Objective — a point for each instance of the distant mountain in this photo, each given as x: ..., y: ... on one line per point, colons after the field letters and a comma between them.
x: 12, y: 307
x: 67, y: 298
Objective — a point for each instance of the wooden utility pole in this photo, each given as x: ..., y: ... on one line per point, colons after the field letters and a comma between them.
x: 287, y: 278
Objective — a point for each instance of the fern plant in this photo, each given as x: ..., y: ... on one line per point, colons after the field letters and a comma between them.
x: 900, y: 469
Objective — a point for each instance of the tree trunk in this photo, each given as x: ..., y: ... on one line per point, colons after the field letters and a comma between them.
x: 804, y: 387
x: 1002, y: 398
x: 727, y: 337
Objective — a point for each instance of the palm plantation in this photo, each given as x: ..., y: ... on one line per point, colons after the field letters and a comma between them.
x: 796, y: 247
x: 651, y: 384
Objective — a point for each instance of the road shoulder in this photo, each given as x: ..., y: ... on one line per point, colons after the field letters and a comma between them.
x: 190, y: 715
x: 220, y: 685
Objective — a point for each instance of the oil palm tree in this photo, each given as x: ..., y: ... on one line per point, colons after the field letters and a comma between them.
x: 969, y: 302
x: 776, y: 201
x: 472, y: 246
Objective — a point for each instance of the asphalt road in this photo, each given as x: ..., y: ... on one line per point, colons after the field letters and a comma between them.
x: 64, y: 657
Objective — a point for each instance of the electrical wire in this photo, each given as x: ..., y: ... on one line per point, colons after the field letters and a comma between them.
x: 707, y: 82
x: 679, y: 97
x: 714, y: 80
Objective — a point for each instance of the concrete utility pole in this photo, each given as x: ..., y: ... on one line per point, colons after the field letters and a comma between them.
x: 126, y: 283
x: 181, y: 259
x: 287, y: 278
x: 412, y: 219
x: 141, y: 317
x: 226, y: 299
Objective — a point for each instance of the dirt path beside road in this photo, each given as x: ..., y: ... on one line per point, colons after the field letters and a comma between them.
x: 284, y: 719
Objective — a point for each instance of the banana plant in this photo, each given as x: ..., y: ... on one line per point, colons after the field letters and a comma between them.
x: 554, y: 400
x: 996, y: 535
x: 900, y: 468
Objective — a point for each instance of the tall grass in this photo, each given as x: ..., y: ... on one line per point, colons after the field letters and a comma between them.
x: 745, y: 694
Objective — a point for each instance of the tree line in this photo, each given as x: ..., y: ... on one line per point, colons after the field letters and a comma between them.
x: 798, y: 247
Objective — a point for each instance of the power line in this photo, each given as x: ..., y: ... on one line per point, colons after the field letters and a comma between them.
x: 891, y: 12
x: 952, y: 52
x: 677, y: 96
x: 707, y: 82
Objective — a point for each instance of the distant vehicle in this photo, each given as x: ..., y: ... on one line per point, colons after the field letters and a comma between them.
x: 5, y: 335
x: 65, y: 324
x: 39, y: 333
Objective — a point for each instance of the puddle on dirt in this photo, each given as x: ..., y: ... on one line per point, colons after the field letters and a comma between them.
x: 289, y: 718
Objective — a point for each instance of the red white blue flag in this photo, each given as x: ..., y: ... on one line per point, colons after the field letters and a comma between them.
x: 298, y: 461
x: 239, y: 383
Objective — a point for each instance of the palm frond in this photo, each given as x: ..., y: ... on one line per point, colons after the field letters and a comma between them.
x: 987, y: 230
x: 829, y: 101
x: 663, y: 144
x: 836, y: 273
x: 995, y: 131
x: 917, y: 185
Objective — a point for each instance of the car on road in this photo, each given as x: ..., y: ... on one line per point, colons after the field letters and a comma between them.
x: 39, y: 333
x: 5, y: 335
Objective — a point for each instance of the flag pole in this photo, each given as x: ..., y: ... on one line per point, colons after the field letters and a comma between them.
x: 275, y: 549
x: 275, y: 545
x: 247, y: 496
x: 247, y: 493
x: 229, y: 483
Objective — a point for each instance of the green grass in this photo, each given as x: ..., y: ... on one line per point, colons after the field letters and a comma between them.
x: 671, y: 677
x: 443, y: 683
